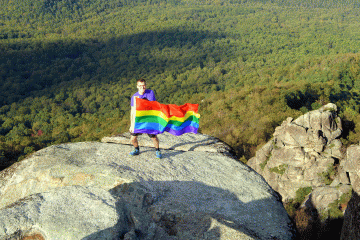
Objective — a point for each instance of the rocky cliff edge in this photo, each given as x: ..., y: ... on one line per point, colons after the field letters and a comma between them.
x: 95, y: 190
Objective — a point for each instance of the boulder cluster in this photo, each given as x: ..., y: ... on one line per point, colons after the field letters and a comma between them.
x: 306, y: 153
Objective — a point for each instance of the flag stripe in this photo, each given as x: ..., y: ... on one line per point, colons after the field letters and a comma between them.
x: 158, y: 126
x: 161, y: 121
x: 154, y: 118
x: 188, y: 129
x: 169, y: 110
x: 166, y: 118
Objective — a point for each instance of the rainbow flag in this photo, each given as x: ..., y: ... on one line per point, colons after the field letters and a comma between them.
x: 153, y: 117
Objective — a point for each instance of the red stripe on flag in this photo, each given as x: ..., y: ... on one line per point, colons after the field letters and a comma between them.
x: 169, y: 110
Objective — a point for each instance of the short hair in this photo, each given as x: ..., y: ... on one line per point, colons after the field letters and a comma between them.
x: 141, y: 80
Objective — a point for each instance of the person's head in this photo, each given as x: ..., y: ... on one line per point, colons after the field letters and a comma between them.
x: 141, y: 85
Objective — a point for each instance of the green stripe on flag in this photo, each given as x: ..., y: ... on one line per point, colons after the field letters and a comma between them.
x: 156, y: 119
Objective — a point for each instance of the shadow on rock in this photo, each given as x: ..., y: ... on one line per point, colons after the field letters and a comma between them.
x: 310, y: 224
x: 193, y: 210
x: 350, y: 229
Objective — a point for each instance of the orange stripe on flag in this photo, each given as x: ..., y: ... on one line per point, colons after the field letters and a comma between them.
x: 169, y: 109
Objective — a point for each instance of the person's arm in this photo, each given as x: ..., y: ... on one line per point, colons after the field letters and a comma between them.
x: 132, y: 119
x: 132, y: 116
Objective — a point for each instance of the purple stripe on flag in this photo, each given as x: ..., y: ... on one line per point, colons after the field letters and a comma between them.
x: 188, y: 129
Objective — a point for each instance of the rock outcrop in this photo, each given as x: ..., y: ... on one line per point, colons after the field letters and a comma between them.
x: 351, y: 226
x: 187, y: 142
x: 98, y: 191
x: 306, y: 152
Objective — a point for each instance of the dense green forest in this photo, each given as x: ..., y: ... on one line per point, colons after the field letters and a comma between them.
x: 69, y: 67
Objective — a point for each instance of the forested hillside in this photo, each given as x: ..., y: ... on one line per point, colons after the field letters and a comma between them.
x: 69, y: 67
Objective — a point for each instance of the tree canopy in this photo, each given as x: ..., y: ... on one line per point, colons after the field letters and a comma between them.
x: 69, y: 67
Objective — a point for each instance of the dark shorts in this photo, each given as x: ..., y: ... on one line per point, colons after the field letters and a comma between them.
x: 137, y: 134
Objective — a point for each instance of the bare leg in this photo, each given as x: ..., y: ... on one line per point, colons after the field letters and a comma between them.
x: 156, y: 142
x: 134, y: 141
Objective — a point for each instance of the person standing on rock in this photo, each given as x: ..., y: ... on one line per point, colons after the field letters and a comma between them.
x: 144, y: 94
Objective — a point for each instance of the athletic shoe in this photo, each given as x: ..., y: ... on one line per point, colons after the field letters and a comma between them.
x: 158, y: 154
x: 134, y: 152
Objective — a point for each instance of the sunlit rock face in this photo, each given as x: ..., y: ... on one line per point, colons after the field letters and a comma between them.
x: 304, y: 152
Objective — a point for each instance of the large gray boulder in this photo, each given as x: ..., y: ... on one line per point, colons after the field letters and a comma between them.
x: 70, y: 212
x: 304, y: 152
x: 352, y: 166
x: 98, y: 191
x: 321, y: 197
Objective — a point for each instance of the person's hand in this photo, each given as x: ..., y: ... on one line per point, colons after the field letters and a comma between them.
x: 131, y: 129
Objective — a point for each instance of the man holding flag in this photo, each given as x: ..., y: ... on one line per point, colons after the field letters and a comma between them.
x: 151, y: 117
x: 148, y: 94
